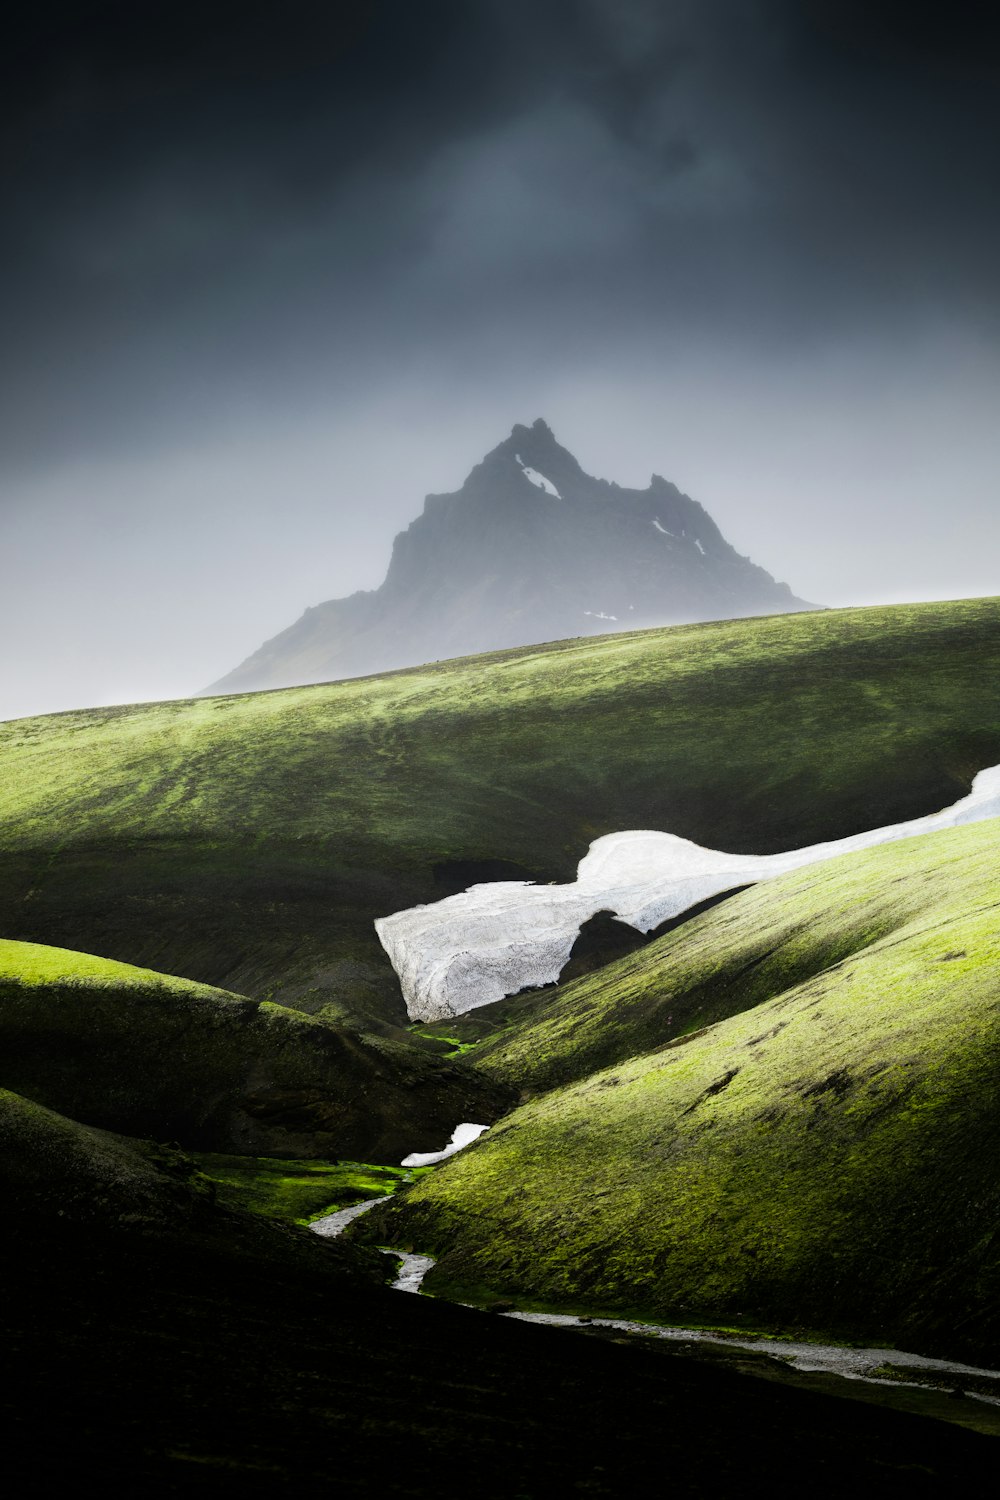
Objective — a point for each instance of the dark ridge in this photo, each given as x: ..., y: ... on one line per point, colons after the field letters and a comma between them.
x: 169, y: 1368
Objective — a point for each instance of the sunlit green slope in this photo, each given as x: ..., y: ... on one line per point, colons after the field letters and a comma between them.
x: 251, y: 841
x: 752, y: 947
x: 828, y: 1157
x: 149, y: 1055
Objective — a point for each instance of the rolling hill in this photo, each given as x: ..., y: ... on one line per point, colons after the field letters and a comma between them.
x: 785, y: 1113
x: 150, y: 1055
x: 249, y: 842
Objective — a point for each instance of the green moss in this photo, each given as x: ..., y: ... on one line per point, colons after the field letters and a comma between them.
x: 753, y: 947
x: 149, y: 1055
x: 451, y: 1046
x: 826, y: 1157
x: 249, y: 841
x: 297, y: 1190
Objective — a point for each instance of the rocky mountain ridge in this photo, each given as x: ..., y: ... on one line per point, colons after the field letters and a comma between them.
x: 530, y: 549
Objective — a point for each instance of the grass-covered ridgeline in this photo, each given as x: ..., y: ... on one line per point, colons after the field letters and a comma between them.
x: 249, y: 841
x: 146, y: 1054
x: 826, y: 1158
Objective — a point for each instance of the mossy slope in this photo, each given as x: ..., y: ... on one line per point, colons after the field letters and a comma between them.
x: 94, y: 1193
x: 52, y: 1166
x: 296, y: 1190
x: 149, y: 1055
x: 827, y: 1158
x: 251, y: 841
x: 750, y: 948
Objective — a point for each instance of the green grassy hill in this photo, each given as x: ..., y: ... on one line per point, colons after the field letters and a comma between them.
x: 826, y: 1156
x: 751, y: 948
x: 793, y: 1114
x: 250, y: 841
x: 150, y: 1055
x: 92, y: 1195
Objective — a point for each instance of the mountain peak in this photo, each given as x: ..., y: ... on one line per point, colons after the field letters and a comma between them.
x: 531, y: 548
x: 540, y: 457
x: 538, y: 438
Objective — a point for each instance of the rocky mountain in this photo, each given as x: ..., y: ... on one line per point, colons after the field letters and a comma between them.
x: 530, y: 549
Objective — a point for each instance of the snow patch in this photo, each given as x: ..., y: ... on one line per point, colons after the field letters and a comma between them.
x: 699, y: 546
x: 492, y: 940
x: 662, y: 529
x: 462, y: 1136
x: 598, y: 614
x: 538, y: 479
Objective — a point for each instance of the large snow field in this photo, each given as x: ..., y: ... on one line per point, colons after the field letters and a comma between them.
x: 493, y: 940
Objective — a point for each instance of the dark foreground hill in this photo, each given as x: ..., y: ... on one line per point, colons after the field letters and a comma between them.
x: 155, y: 1344
x: 529, y: 549
x: 250, y: 842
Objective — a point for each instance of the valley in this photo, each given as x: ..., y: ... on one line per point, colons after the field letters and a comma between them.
x: 774, y: 1115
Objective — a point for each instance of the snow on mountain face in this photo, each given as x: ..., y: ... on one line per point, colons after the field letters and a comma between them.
x: 538, y: 479
x: 493, y: 940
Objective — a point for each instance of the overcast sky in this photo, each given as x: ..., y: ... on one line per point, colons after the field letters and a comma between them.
x: 272, y: 272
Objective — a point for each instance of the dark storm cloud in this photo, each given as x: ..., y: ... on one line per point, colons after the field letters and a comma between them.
x: 273, y: 271
x: 208, y: 203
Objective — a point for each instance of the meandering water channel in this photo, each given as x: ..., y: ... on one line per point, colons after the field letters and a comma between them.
x: 873, y: 1366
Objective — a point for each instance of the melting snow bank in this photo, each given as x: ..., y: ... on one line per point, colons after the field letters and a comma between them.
x: 462, y: 1135
x: 492, y: 940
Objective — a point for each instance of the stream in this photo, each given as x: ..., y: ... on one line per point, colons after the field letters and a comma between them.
x: 830, y: 1359
x: 412, y: 1268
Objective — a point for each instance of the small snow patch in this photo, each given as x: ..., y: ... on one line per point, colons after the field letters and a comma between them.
x: 462, y: 1136
x: 662, y: 529
x: 537, y: 479
x: 699, y: 546
x: 598, y: 614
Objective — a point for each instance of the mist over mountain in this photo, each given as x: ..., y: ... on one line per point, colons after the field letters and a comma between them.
x: 530, y: 549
